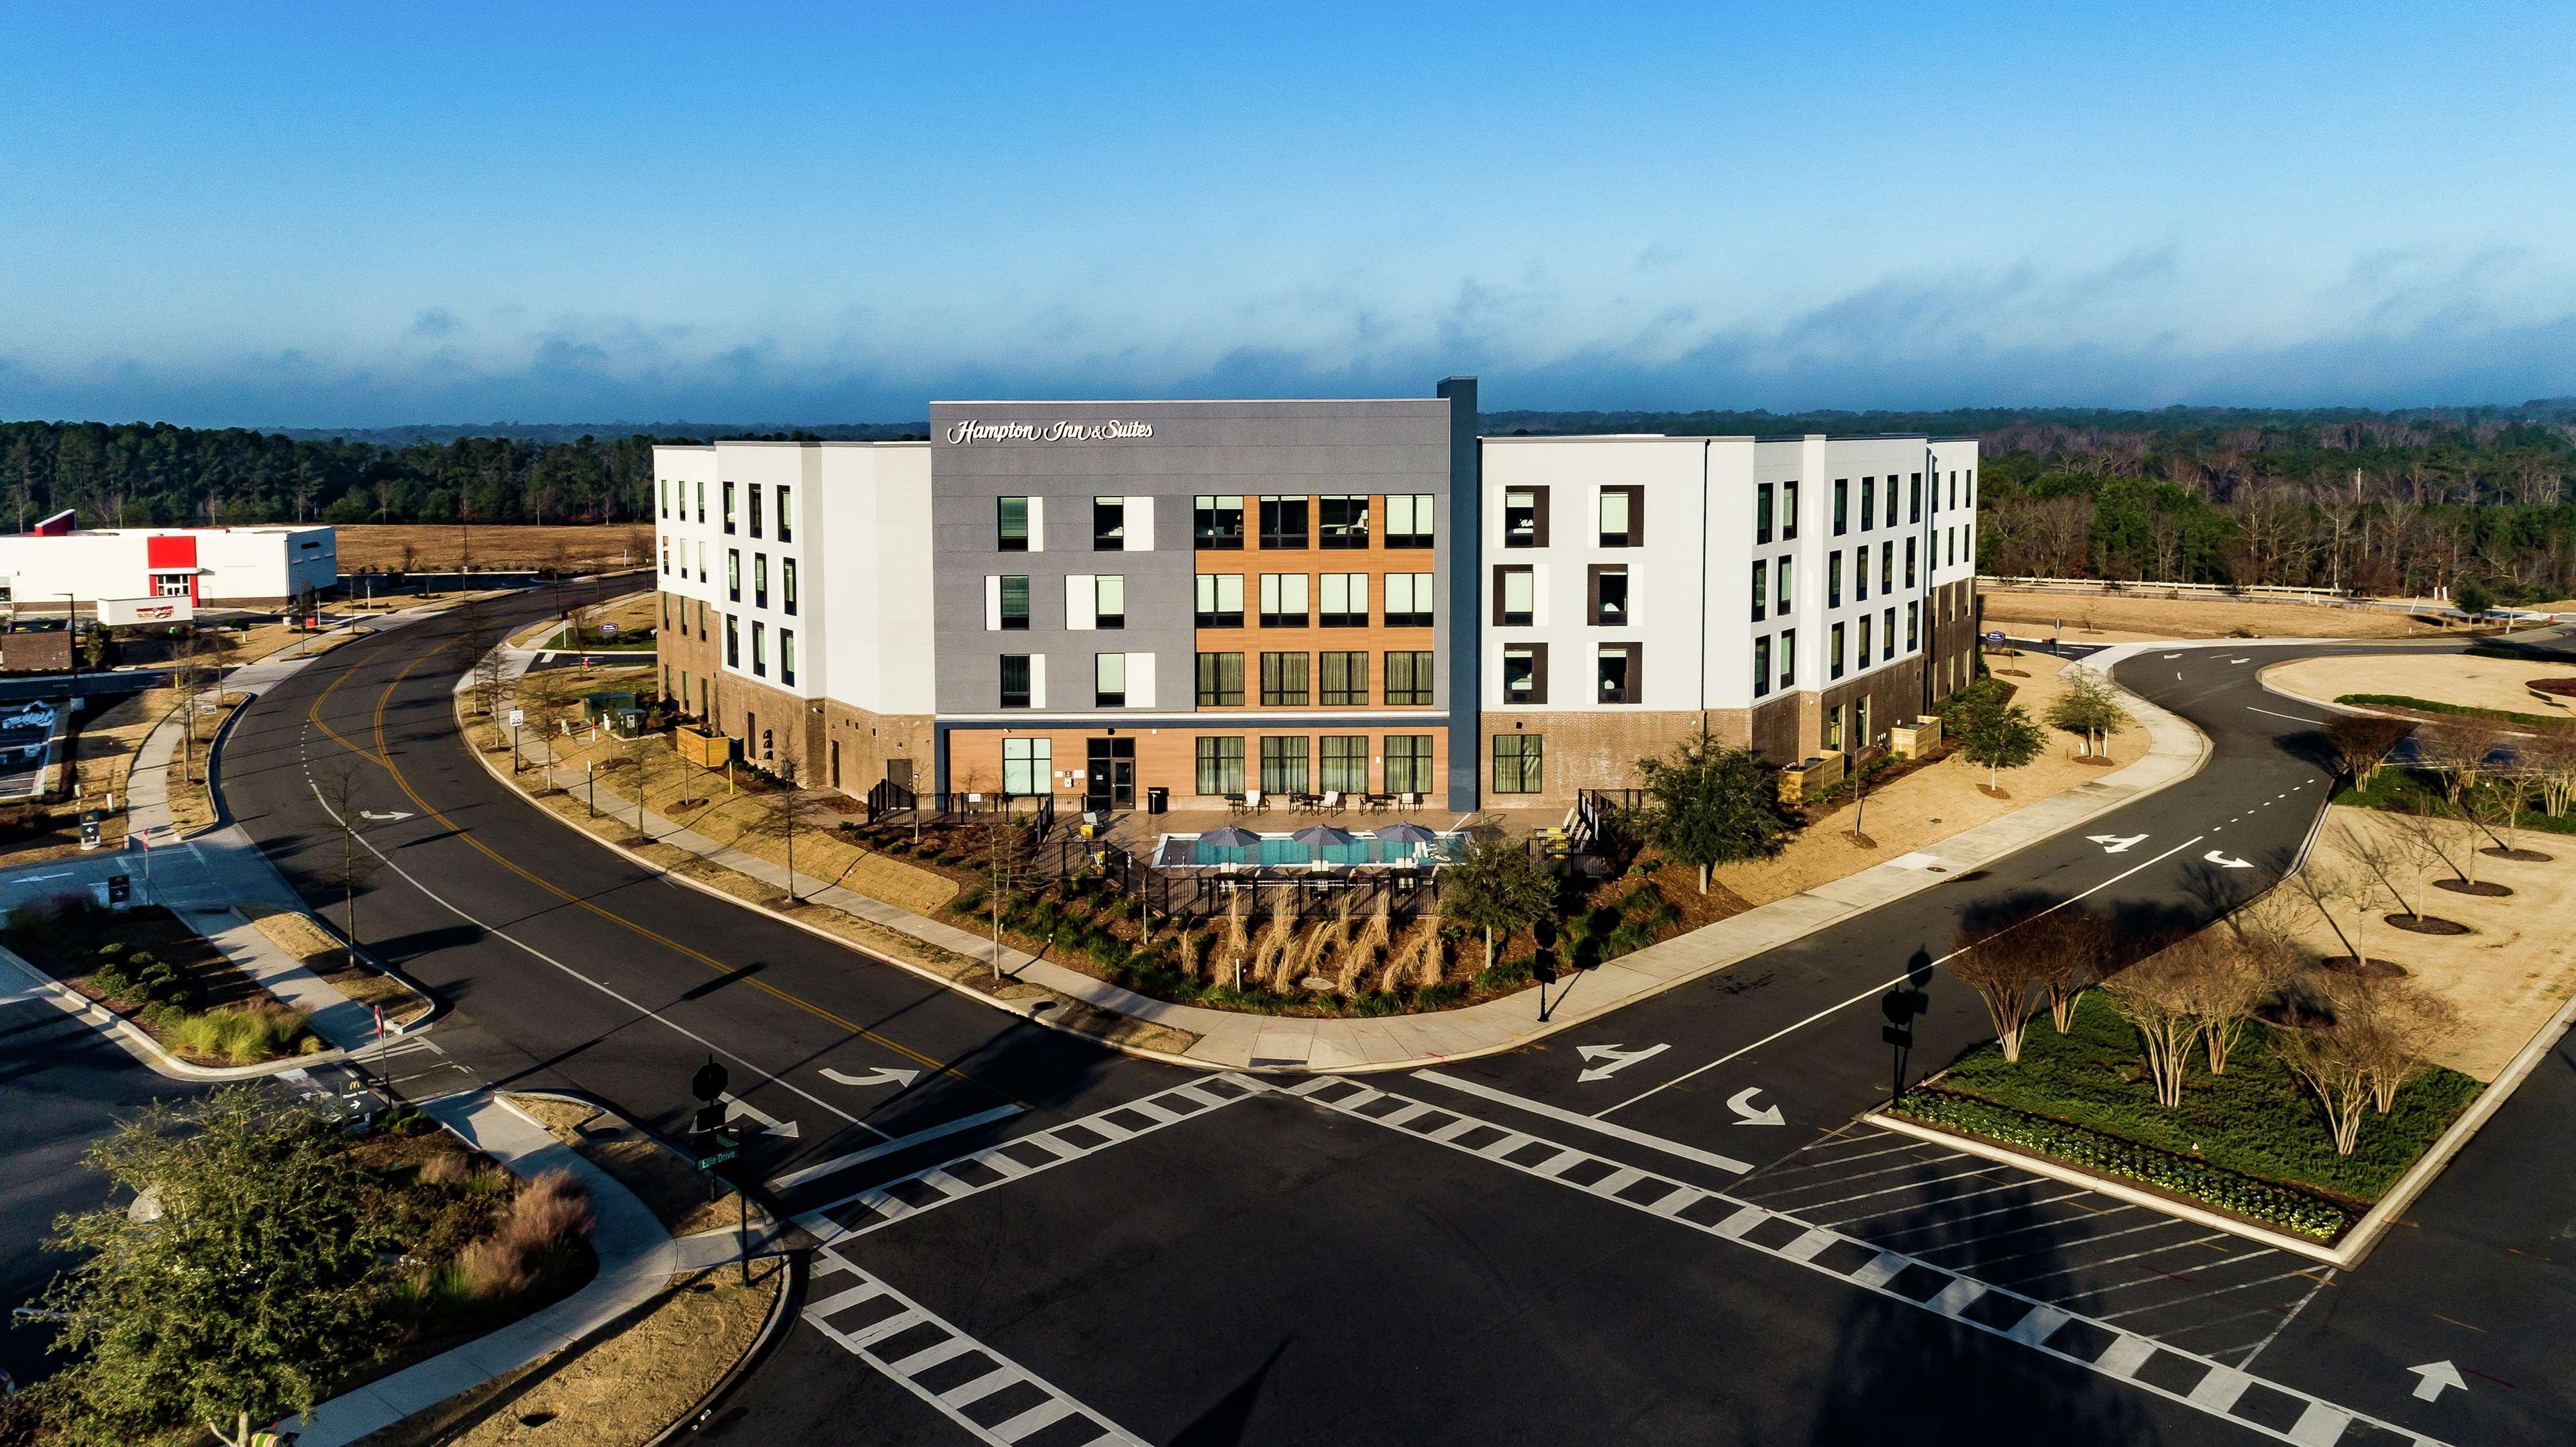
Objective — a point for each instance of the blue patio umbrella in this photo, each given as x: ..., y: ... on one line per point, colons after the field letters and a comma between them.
x: 1319, y: 836
x: 1230, y: 837
x: 1406, y: 834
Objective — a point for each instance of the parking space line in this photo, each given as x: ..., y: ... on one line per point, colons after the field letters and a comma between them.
x: 1980, y: 1215
x: 1830, y: 1182
x: 1981, y: 1169
x: 1943, y: 1201
x: 2201, y: 1296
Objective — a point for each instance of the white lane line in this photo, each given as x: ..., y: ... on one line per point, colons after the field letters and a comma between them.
x: 1845, y: 1221
x: 1603, y: 1127
x: 2205, y: 1295
x: 1831, y: 1182
x: 1979, y: 1170
x: 1778, y: 1171
x: 2291, y: 1315
x: 2294, y: 718
x: 1979, y: 1215
x: 841, y: 1163
x: 1874, y: 991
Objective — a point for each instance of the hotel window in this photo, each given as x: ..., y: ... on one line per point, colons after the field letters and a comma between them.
x: 1342, y: 680
x: 1345, y: 602
x: 1954, y: 487
x: 1968, y: 542
x: 1408, y: 679
x: 1515, y: 596
x: 1608, y: 587
x: 1887, y: 567
x: 663, y: 487
x: 1283, y: 765
x: 1408, y: 763
x: 1909, y: 562
x: 702, y: 502
x: 1283, y: 600
x: 1861, y: 659
x: 786, y: 655
x: 760, y: 580
x: 666, y: 617
x: 1834, y: 652
x: 1109, y: 680
x: 1761, y: 665
x: 1283, y: 523
x: 1860, y: 719
x: 1408, y: 520
x: 1525, y: 517
x: 1011, y: 524
x: 1525, y: 673
x: 1028, y: 767
x: 1860, y: 571
x: 1780, y: 599
x: 1911, y: 624
x: 1887, y: 649
x: 1109, y: 600
x: 1408, y: 600
x: 1283, y: 680
x: 1015, y: 680
x: 1616, y: 665
x: 1345, y: 521
x: 1343, y: 763
x: 786, y: 519
x: 1623, y: 517
x: 1761, y: 590
x: 755, y: 509
x: 733, y: 641
x: 702, y: 561
x: 1762, y: 512
x: 1520, y: 763
x: 1788, y: 657
x: 1015, y: 601
x: 1788, y: 510
x: 1914, y: 500
x: 666, y: 556
x: 1842, y: 506
x: 728, y: 507
x: 759, y: 648
x: 1834, y: 579
x: 787, y: 585
x: 1220, y: 600
x: 1220, y: 680
x: 1891, y: 499
x: 1108, y: 524
x: 1220, y: 765
x: 1949, y: 547
x: 1834, y: 728
x: 1869, y: 502
x: 1216, y: 522
x: 733, y: 575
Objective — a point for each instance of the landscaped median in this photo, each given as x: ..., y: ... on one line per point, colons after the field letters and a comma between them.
x: 150, y: 968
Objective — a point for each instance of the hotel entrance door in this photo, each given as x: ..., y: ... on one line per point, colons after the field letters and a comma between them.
x: 1110, y: 774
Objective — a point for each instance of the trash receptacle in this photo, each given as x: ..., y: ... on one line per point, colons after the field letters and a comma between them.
x: 1157, y: 799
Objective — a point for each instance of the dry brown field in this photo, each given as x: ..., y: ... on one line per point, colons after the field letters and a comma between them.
x: 438, y: 545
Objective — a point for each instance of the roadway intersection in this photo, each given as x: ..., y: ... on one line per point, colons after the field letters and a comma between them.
x: 1036, y: 1239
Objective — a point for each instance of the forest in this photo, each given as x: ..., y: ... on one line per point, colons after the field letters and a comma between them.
x: 2378, y: 501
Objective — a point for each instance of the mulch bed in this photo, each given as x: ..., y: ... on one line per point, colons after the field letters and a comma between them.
x: 2519, y: 856
x: 2427, y: 924
x: 2372, y: 970
x: 2484, y: 889
x: 2563, y: 687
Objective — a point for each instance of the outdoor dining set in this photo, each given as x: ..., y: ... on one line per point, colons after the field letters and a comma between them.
x: 1331, y: 801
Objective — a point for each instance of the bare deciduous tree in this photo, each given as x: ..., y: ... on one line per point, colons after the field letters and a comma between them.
x: 2361, y: 743
x: 2008, y: 971
x: 2327, y: 1057
x: 2394, y: 1026
x: 2157, y: 996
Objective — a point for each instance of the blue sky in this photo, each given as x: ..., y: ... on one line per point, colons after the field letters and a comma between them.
x: 288, y: 215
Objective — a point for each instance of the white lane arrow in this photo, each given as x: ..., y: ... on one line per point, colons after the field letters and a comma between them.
x: 2223, y: 862
x: 1620, y: 1059
x: 2116, y: 843
x: 1741, y: 1102
x: 737, y: 1108
x: 2435, y: 1376
x: 389, y: 816
x: 2173, y: 655
x: 882, y: 1075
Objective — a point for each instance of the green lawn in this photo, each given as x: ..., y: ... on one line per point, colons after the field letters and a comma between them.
x: 2411, y: 791
x: 2461, y: 710
x: 2256, y: 1120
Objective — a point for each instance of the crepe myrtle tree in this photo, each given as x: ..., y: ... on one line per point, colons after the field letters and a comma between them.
x: 1708, y: 804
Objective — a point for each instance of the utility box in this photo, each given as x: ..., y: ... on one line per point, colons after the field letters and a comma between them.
x: 128, y: 612
x: 702, y: 748
x: 1914, y: 740
x: 1807, y: 778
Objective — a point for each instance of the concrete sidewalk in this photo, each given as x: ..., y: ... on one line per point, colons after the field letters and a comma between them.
x: 1232, y: 1040
x: 637, y: 1258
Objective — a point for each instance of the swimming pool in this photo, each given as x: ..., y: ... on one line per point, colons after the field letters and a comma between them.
x: 1185, y: 850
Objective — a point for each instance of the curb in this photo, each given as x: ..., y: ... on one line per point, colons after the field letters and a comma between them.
x: 791, y: 1294
x: 138, y: 1042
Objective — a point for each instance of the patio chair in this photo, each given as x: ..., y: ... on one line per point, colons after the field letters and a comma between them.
x: 1332, y: 800
x: 1234, y: 804
x: 1254, y: 801
x: 1410, y: 801
x: 1376, y: 803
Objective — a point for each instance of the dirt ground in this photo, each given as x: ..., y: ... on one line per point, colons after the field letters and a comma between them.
x: 676, y: 1193
x: 319, y: 951
x: 2514, y: 969
x: 2439, y: 677
x: 437, y: 546
x: 1932, y: 803
x: 2103, y: 618
x: 619, y: 1390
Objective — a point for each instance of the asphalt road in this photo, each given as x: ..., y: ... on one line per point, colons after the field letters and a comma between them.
x: 1244, y: 1266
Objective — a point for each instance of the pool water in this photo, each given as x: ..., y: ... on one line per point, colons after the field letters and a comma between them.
x: 1279, y: 849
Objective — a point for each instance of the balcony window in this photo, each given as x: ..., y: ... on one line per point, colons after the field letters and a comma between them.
x: 1408, y: 520
x: 1342, y: 680
x: 1615, y: 666
x: 1015, y: 680
x: 1344, y: 521
x: 1220, y: 680
x: 1519, y: 763
x: 1525, y: 517
x: 1408, y: 679
x: 1408, y: 600
x: 1108, y: 524
x: 1216, y: 522
x: 1220, y: 600
x: 1525, y: 673
x: 1283, y: 600
x: 1283, y: 680
x: 1345, y: 601
x: 1109, y: 680
x: 1109, y: 600
x: 1015, y: 601
x: 1515, y: 597
x: 1011, y: 524
x: 1284, y: 523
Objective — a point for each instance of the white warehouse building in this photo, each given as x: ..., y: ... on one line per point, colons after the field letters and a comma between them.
x: 55, y: 565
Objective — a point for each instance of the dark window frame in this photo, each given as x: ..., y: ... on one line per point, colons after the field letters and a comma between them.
x: 1004, y: 540
x: 1278, y: 690
x: 1528, y: 763
x: 1027, y: 671
x: 1531, y: 530
x: 1220, y: 680
x: 1352, y: 691
x: 1345, y: 535
x: 1503, y: 616
x: 1208, y: 516
x: 1278, y: 511
x: 1632, y: 673
x: 1420, y: 675
x: 1535, y: 694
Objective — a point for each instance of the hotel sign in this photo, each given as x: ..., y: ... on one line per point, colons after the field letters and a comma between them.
x: 970, y: 430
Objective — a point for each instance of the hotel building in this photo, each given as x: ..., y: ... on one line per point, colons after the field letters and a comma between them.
x: 1097, y: 600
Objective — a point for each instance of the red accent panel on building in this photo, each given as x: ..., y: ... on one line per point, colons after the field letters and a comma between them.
x: 168, y: 554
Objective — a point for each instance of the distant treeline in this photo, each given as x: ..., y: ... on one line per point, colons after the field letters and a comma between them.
x: 2395, y: 501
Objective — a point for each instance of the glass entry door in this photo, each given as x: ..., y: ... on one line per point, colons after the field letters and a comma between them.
x: 1109, y: 774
